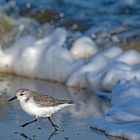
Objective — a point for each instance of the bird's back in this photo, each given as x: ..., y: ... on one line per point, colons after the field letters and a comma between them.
x: 49, y: 101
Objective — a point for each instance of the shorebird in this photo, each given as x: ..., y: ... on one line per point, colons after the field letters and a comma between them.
x: 39, y: 105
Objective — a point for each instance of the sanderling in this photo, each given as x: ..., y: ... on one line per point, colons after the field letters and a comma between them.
x: 39, y: 105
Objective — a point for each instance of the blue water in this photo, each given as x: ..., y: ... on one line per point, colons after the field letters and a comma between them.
x: 103, y: 18
x: 93, y: 12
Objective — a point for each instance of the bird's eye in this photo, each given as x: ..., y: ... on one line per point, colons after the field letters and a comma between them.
x: 21, y: 94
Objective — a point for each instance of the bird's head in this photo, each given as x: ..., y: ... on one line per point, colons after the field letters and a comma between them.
x: 22, y: 94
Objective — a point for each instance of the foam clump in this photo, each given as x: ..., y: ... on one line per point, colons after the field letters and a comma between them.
x: 115, y: 69
x: 113, y: 52
x: 130, y: 57
x: 80, y: 77
x: 83, y: 47
x: 106, y: 78
x: 123, y: 118
x: 44, y: 58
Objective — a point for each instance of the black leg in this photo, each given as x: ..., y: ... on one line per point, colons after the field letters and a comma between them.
x: 53, y: 134
x: 28, y: 123
x: 55, y: 126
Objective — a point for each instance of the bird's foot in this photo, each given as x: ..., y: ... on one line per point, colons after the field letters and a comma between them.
x: 57, y: 128
x: 23, y: 125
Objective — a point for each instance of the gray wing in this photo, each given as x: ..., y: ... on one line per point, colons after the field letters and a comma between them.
x: 46, y: 101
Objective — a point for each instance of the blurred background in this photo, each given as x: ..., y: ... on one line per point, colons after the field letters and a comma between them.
x: 108, y: 22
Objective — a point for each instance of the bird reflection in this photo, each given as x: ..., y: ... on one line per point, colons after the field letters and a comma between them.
x: 25, y: 136
x: 99, y: 132
x: 55, y: 132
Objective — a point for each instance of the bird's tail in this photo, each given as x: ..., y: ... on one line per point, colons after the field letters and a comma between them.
x: 70, y: 102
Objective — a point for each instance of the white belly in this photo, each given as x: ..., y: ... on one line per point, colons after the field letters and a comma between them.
x: 34, y: 110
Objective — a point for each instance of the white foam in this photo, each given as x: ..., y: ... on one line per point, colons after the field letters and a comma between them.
x: 83, y: 47
x: 131, y: 57
x: 113, y: 52
x: 97, y: 64
x: 122, y: 119
x: 45, y: 58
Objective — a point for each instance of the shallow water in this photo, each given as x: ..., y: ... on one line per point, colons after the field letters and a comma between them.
x: 74, y: 120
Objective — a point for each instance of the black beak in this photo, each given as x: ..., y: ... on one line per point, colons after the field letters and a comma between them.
x: 12, y: 99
